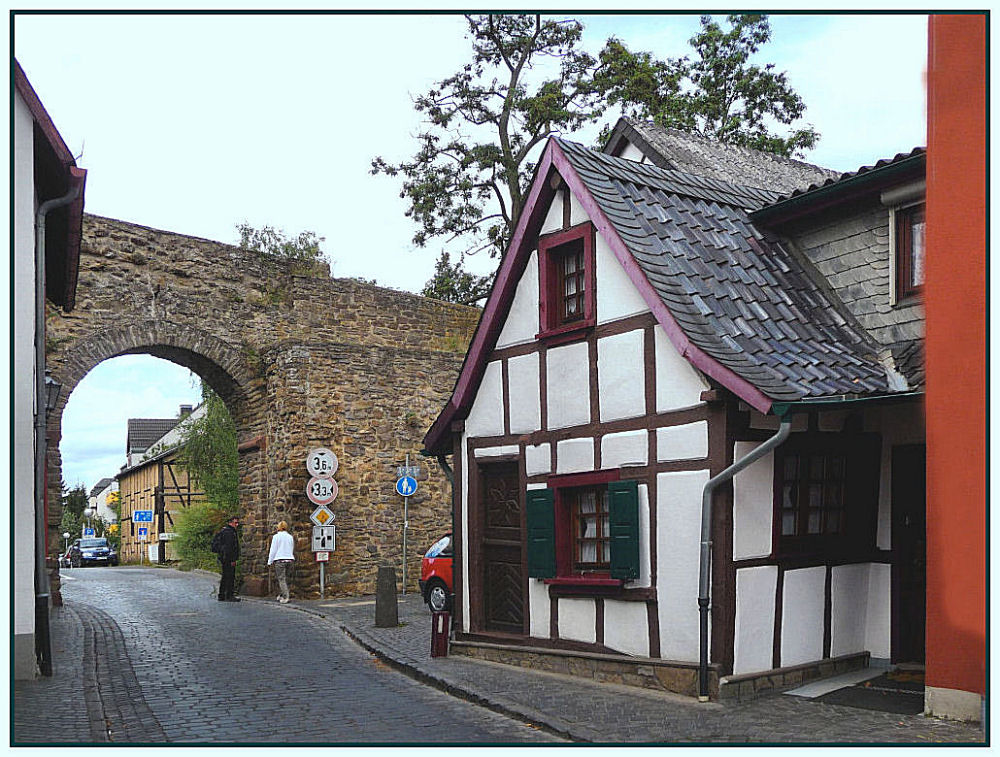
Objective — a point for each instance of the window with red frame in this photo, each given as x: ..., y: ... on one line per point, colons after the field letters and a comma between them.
x: 588, y: 507
x: 566, y: 270
x: 909, y: 250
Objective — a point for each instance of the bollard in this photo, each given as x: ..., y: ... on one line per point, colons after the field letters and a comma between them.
x: 440, y: 630
x: 386, y: 611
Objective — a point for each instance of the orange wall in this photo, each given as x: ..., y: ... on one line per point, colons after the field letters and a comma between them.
x: 956, y: 361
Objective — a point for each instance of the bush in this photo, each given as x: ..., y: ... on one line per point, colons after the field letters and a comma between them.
x: 195, y: 526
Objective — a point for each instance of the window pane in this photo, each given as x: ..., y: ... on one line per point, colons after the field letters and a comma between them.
x: 833, y: 522
x: 789, y: 521
x: 835, y: 467
x: 816, y: 468
x: 917, y: 247
x: 814, y: 521
x: 571, y: 286
x: 569, y: 264
x: 816, y: 495
x: 834, y: 495
x: 789, y: 497
x: 791, y: 467
x: 571, y: 307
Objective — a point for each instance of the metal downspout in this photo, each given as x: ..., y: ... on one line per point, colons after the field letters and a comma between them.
x: 43, y: 646
x: 704, y: 597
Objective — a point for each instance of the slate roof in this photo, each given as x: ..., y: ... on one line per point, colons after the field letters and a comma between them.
x: 100, y: 486
x: 916, y: 152
x: 142, y: 432
x: 734, y: 290
x: 678, y: 150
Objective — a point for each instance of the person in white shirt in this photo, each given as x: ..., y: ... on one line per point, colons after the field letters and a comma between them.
x: 282, y: 556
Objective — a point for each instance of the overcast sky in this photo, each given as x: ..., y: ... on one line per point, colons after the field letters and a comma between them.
x: 196, y: 123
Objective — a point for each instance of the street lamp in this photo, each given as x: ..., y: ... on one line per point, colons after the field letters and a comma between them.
x: 88, y: 513
x: 52, y: 390
x: 65, y: 541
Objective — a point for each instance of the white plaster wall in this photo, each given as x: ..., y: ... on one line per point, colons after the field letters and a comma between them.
x: 506, y: 449
x: 23, y: 390
x: 621, y: 376
x: 575, y: 456
x: 537, y: 459
x: 101, y: 503
x: 631, y: 152
x: 568, y: 385
x: 617, y: 296
x: 576, y: 212
x: 678, y: 384
x: 465, y: 530
x: 522, y: 321
x: 678, y: 500
x: 524, y: 391
x: 578, y: 620
x: 538, y: 609
x: 626, y: 627
x: 802, y: 611
x: 848, y: 608
x: 686, y: 442
x: 754, y: 643
x: 625, y: 448
x: 486, y: 416
x: 554, y: 215
x: 878, y: 638
x: 753, y: 504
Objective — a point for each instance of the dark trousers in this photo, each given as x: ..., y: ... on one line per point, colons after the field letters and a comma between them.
x: 228, y: 581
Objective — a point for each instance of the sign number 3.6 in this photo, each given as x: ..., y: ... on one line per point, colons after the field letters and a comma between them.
x: 322, y: 463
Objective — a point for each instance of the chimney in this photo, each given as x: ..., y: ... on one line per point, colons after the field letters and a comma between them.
x: 186, y: 410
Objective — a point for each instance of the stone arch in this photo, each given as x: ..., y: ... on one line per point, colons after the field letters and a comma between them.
x: 301, y: 360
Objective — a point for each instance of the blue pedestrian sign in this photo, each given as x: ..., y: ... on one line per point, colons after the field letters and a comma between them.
x: 406, y: 486
x: 143, y: 516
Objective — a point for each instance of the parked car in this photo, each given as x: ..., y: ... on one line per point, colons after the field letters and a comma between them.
x: 64, y: 561
x: 435, y: 575
x: 92, y: 551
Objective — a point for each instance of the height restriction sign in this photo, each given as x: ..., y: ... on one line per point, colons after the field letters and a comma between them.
x: 322, y: 463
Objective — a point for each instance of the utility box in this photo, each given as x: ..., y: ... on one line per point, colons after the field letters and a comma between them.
x: 440, y: 630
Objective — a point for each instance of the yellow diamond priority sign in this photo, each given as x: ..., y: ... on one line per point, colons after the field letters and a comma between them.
x: 322, y: 516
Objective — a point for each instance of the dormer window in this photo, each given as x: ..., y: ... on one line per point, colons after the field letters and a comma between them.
x: 566, y: 266
x: 909, y: 250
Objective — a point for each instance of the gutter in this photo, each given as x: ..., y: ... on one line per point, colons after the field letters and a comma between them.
x: 704, y: 591
x: 43, y: 645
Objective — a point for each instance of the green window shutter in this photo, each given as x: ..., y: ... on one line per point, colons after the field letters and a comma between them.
x: 623, y: 507
x: 541, y: 534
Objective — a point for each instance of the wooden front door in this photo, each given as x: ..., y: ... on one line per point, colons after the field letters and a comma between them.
x: 501, y: 548
x: 909, y: 541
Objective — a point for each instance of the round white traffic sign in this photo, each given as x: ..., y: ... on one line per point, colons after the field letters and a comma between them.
x: 322, y: 463
x: 322, y: 491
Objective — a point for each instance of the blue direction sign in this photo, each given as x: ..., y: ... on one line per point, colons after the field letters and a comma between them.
x: 143, y: 516
x: 406, y: 486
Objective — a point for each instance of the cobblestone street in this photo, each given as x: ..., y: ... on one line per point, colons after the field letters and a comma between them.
x: 207, y: 671
x: 147, y: 655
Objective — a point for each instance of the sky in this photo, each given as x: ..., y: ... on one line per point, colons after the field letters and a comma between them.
x: 197, y: 123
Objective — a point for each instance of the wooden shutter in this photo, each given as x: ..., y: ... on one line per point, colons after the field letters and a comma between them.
x: 541, y: 533
x: 623, y: 506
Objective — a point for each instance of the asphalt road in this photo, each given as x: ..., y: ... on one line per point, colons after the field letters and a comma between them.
x: 210, y: 671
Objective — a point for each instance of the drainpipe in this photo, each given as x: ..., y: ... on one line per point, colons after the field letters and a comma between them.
x: 43, y: 645
x: 706, y: 543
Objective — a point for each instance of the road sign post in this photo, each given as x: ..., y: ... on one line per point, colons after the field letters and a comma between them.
x: 322, y: 490
x: 406, y: 486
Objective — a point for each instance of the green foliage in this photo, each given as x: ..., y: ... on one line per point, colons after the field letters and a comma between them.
x: 74, y: 500
x: 209, y: 454
x: 719, y: 93
x: 482, y: 123
x: 195, y: 526
x: 452, y: 283
x: 273, y: 244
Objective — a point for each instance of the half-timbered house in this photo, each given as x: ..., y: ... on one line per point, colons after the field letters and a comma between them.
x: 687, y: 439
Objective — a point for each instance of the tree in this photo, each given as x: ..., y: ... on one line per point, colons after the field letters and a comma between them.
x: 467, y: 179
x: 454, y: 284
x: 273, y: 244
x: 719, y: 93
x: 209, y: 454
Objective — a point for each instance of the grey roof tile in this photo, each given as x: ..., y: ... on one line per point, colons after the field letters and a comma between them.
x: 741, y: 298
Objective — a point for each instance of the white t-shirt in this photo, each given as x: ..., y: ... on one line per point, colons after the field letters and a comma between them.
x: 282, y: 546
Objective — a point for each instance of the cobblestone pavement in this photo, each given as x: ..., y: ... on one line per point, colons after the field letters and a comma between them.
x: 606, y: 713
x: 172, y: 664
x: 257, y: 671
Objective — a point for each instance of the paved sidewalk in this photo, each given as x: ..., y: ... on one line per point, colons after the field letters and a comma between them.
x: 585, y: 711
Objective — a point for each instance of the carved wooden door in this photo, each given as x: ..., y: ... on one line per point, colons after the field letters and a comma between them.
x: 503, y: 577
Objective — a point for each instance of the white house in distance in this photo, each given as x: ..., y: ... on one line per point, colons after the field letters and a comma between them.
x: 47, y: 215
x: 98, y: 499
x: 668, y: 309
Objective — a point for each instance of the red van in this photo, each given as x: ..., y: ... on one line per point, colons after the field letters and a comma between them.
x: 435, y: 575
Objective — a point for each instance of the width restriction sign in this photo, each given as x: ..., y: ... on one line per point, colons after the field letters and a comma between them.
x: 322, y: 491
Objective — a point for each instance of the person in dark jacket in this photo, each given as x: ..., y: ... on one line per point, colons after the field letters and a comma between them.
x: 228, y: 555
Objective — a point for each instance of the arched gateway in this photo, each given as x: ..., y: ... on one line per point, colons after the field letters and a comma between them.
x: 301, y: 360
